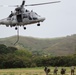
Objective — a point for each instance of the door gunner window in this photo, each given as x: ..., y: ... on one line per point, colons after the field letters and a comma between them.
x: 19, y: 18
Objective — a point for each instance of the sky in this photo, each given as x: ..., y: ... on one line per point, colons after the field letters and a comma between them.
x: 60, y: 19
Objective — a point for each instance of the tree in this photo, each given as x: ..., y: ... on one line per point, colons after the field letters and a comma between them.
x: 3, y: 49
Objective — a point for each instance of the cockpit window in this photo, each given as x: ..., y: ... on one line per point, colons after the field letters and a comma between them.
x: 37, y: 14
x: 34, y: 18
x: 30, y: 18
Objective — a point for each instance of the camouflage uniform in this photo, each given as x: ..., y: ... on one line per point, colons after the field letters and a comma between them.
x: 63, y: 71
x: 46, y: 70
x: 72, y: 70
x: 55, y: 71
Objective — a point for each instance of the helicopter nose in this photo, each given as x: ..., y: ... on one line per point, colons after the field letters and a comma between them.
x: 3, y: 21
x: 42, y: 19
x: 0, y: 21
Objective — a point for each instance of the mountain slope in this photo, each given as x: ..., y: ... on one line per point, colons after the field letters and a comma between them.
x: 53, y: 46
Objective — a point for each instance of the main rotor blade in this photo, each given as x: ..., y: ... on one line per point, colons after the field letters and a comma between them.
x: 43, y: 3
x: 4, y: 6
x: 9, y: 5
x: 23, y: 3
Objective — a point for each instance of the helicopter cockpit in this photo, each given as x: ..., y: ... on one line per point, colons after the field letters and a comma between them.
x: 35, y: 16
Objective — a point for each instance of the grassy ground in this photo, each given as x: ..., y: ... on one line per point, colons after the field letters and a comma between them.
x: 32, y: 71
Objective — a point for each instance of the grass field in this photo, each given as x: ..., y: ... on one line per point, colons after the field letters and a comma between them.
x: 32, y: 71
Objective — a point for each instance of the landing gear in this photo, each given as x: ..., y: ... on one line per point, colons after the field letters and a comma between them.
x: 24, y: 28
x: 16, y: 28
x: 7, y: 25
x: 38, y: 24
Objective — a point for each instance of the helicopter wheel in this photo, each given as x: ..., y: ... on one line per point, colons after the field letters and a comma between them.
x: 38, y: 24
x: 7, y: 25
x: 16, y: 28
x: 24, y: 28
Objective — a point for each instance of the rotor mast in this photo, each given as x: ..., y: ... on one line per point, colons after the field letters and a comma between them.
x: 23, y: 3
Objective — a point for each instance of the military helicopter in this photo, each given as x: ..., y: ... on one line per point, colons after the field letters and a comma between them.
x: 22, y: 16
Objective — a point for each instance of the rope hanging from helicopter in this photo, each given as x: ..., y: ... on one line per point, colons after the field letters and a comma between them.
x: 17, y: 35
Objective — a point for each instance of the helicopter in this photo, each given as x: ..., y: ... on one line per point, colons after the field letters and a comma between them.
x: 22, y: 16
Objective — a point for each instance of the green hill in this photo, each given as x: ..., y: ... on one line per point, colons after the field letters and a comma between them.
x: 54, y: 46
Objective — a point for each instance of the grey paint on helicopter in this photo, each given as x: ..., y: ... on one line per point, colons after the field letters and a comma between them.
x: 60, y: 19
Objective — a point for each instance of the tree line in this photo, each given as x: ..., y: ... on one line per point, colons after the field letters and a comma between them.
x: 11, y: 57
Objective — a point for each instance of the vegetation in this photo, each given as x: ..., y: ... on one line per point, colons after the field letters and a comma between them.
x: 33, y: 71
x: 54, y: 46
x: 11, y: 57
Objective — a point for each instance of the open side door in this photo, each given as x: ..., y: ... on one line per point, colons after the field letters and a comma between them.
x: 19, y: 18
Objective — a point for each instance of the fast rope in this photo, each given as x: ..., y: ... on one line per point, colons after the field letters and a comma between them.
x: 17, y: 36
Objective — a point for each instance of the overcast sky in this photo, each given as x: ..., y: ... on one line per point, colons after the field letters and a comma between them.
x: 60, y: 19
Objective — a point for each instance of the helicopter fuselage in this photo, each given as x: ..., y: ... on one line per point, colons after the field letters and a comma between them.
x: 22, y: 16
x: 25, y: 17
